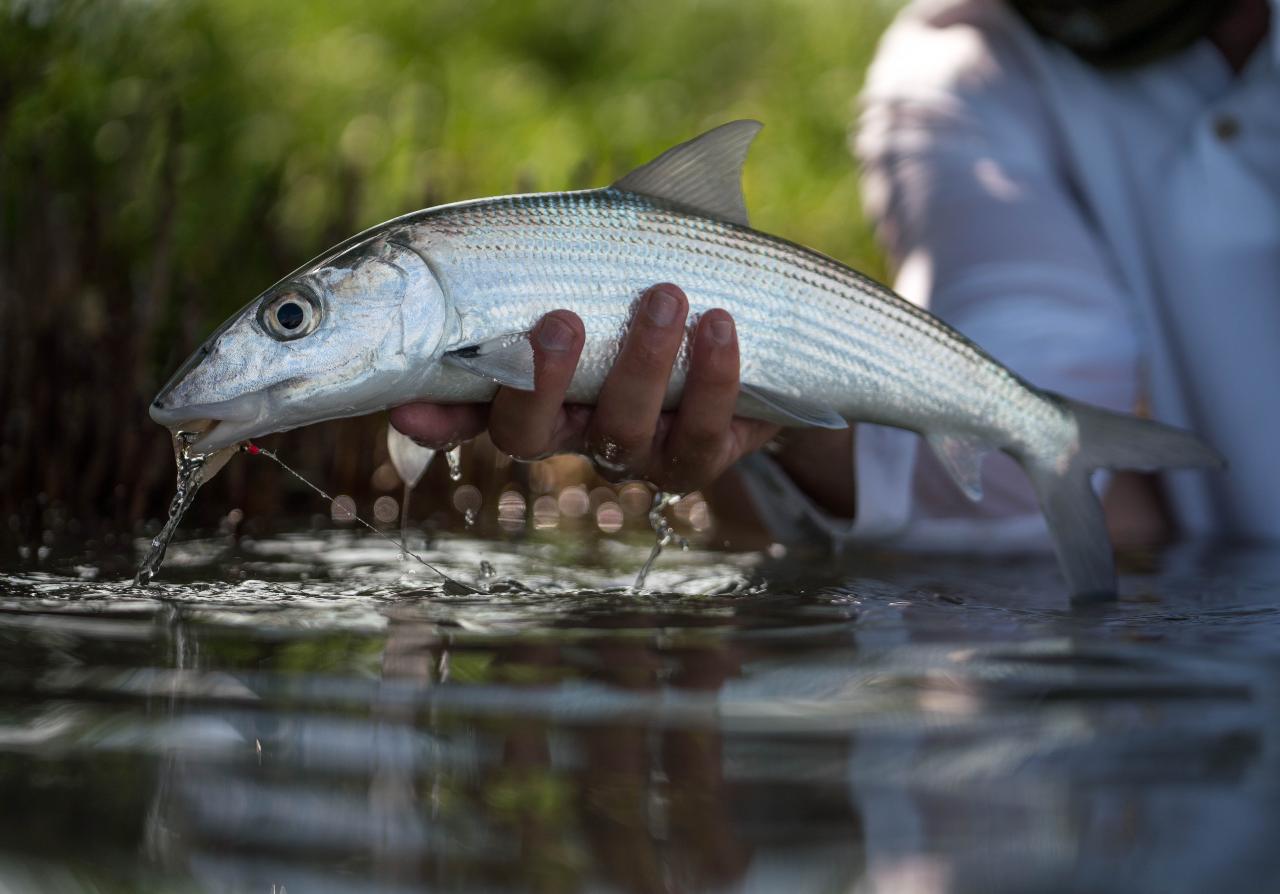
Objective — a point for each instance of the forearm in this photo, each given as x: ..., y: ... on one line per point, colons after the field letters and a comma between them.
x: 821, y: 464
x: 817, y: 463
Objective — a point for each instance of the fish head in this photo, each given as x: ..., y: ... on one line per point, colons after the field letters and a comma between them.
x: 343, y: 336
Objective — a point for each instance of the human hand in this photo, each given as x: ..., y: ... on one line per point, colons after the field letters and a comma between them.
x: 626, y: 434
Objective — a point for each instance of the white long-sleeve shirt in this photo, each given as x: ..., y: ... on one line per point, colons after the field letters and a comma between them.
x: 1110, y: 235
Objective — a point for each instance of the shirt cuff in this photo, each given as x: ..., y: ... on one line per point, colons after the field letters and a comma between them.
x: 884, y: 460
x: 888, y: 507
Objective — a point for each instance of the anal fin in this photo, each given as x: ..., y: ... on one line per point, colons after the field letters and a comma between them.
x: 506, y: 359
x: 757, y: 402
x: 962, y: 458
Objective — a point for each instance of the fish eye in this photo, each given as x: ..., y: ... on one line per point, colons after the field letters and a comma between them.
x: 289, y: 315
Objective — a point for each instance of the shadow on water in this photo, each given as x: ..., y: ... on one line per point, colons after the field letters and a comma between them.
x: 307, y: 713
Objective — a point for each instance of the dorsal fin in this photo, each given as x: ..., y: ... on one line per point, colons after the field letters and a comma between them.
x: 704, y: 174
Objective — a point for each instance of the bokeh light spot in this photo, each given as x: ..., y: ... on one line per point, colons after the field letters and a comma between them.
x: 574, y: 502
x: 385, y: 477
x: 635, y: 499
x: 343, y: 509
x: 609, y: 518
x: 386, y: 509
x: 546, y: 512
x: 111, y: 141
x: 468, y: 498
x: 511, y: 508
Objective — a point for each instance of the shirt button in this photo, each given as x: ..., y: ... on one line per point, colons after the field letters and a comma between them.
x: 1226, y: 127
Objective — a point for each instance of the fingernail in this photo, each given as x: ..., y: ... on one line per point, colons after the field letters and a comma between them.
x: 661, y: 306
x: 721, y: 331
x: 555, y: 334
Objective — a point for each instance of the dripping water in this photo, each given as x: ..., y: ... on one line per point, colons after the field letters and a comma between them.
x: 258, y: 451
x: 454, y: 457
x: 410, y: 460
x: 662, y: 530
x: 404, y: 522
x: 190, y: 477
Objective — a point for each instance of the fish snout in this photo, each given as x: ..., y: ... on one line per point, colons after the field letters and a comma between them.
x: 219, y: 424
x: 164, y: 414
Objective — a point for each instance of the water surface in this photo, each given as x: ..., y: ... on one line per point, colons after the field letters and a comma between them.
x: 310, y: 713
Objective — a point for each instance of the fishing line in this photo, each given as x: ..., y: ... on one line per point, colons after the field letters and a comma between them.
x: 255, y: 450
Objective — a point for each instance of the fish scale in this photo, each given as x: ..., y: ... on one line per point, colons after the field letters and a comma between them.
x: 858, y: 340
x: 437, y: 305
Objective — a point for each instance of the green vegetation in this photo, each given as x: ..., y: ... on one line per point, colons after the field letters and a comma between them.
x: 162, y: 163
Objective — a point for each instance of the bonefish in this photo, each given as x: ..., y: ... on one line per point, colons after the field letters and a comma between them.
x: 437, y: 305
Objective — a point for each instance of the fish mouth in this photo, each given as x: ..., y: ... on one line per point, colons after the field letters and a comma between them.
x: 220, y: 424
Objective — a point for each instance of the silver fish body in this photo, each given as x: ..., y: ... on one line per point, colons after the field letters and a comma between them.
x: 809, y: 327
x: 392, y: 307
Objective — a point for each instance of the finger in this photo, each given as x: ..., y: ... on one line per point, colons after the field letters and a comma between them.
x: 523, y: 423
x: 621, y: 434
x: 749, y: 435
x: 700, y: 439
x: 572, y: 426
x: 439, y: 425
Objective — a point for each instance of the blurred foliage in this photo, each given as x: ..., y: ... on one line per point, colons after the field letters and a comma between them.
x: 162, y: 163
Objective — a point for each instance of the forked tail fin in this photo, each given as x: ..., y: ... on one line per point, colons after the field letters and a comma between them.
x: 1106, y: 440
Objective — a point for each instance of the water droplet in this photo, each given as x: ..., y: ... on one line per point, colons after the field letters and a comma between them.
x: 454, y: 456
x: 469, y: 518
x: 487, y: 570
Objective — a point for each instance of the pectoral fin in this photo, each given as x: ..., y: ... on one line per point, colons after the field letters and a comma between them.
x: 507, y: 360
x: 409, y: 458
x: 757, y: 402
x: 962, y: 458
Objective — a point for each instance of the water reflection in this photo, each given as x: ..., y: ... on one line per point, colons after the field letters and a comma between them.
x: 305, y: 714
